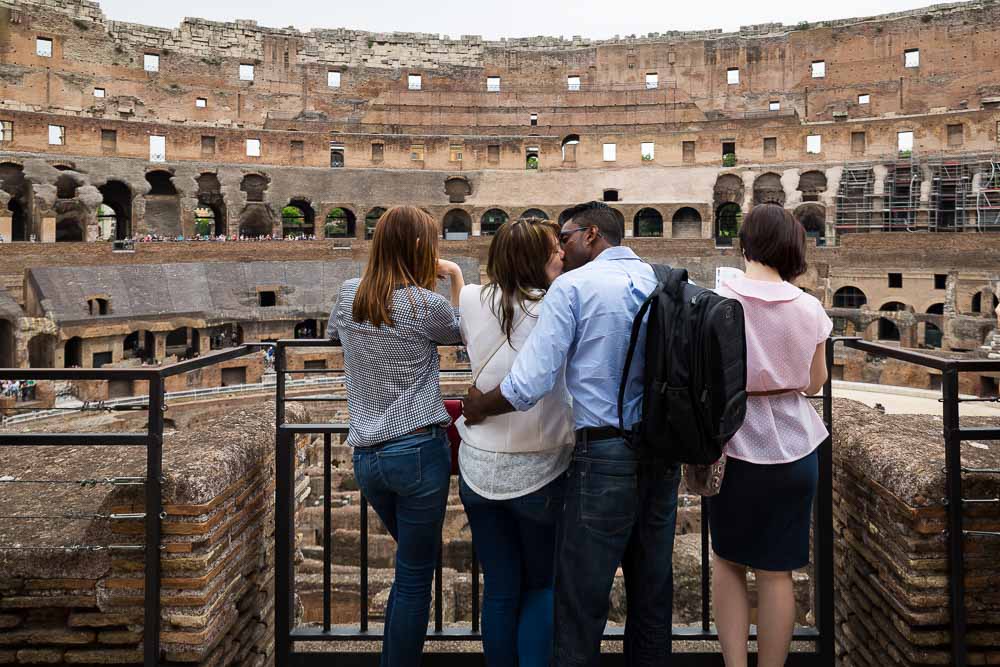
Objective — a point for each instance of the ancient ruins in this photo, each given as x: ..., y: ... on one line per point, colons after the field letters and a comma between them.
x: 167, y: 193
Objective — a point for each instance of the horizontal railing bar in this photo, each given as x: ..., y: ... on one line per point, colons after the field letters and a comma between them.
x: 74, y: 439
x: 979, y: 433
x: 459, y: 659
x: 313, y: 371
x: 307, y: 342
x: 211, y: 359
x: 983, y: 471
x: 315, y: 399
x: 926, y: 360
x: 981, y: 533
x: 301, y: 429
x: 340, y: 633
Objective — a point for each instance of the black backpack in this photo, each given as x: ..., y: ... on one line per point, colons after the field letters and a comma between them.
x: 694, y: 383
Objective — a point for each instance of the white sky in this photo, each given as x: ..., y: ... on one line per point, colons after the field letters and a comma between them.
x: 508, y: 18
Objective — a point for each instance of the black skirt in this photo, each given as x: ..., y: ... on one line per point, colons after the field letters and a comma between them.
x: 762, y: 514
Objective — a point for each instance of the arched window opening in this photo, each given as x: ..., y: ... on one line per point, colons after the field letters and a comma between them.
x: 686, y: 224
x: 727, y: 224
x: 648, y: 222
x: 534, y: 213
x: 491, y: 221
x: 569, y: 144
x: 339, y: 223
x: 73, y: 353
x: 457, y: 225
x: 849, y: 297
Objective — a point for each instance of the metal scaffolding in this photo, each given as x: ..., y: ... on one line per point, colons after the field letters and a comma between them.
x: 902, y: 192
x: 988, y: 196
x: 951, y: 188
x: 856, y: 201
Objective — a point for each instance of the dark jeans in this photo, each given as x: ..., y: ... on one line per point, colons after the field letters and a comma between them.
x: 406, y: 482
x: 515, y: 542
x: 619, y: 509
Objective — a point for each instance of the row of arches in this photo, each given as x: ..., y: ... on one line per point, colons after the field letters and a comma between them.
x: 647, y: 221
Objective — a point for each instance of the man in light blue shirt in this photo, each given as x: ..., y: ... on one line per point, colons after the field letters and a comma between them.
x: 621, y: 504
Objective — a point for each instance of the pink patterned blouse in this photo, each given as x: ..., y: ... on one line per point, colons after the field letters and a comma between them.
x: 783, y: 327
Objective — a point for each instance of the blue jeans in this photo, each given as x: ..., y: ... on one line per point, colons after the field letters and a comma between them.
x: 406, y: 482
x: 515, y: 542
x: 620, y: 508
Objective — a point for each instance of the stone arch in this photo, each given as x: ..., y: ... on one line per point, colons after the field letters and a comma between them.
x: 686, y: 223
x: 371, y: 220
x: 813, y: 219
x: 812, y: 184
x: 117, y: 196
x: 457, y: 188
x: 569, y: 144
x: 255, y: 186
x: 8, y: 351
x: 340, y: 223
x: 298, y: 219
x: 492, y: 220
x: 534, y: 213
x: 977, y: 304
x: 647, y: 222
x: 163, y: 207
x: 457, y: 224
x: 73, y: 353
x: 888, y: 329
x: 66, y: 186
x: 728, y: 218
x: 849, y: 296
x: 210, y: 197
x: 13, y: 182
x: 256, y: 220
x: 42, y: 351
x: 933, y: 336
x: 70, y: 230
x: 306, y: 329
x: 767, y: 189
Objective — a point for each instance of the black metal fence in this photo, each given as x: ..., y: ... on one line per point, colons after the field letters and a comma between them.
x: 954, y: 435
x: 151, y: 439
x: 288, y: 635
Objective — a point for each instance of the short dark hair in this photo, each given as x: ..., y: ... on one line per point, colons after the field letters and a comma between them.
x: 771, y: 236
x: 600, y: 215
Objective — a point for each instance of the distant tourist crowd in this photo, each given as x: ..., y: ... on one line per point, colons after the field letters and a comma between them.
x: 21, y: 390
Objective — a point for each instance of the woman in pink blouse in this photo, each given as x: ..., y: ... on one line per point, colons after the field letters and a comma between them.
x: 761, y: 517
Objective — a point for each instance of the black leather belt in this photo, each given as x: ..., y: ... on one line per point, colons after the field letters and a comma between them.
x: 599, y: 433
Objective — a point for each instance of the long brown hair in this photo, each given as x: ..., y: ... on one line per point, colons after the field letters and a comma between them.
x: 516, y: 267
x: 403, y: 254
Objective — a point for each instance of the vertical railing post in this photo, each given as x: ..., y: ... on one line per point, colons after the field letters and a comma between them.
x: 154, y: 508
x: 706, y: 570
x: 284, y: 453
x: 956, y: 533
x: 823, y: 573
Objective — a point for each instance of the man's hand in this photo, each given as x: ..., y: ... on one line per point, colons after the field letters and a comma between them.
x: 472, y: 407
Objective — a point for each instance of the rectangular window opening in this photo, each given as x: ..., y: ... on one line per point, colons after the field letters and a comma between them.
x: 728, y: 148
x: 378, y: 152
x: 911, y: 58
x: 200, y: 102
x: 493, y: 153
x: 298, y: 150
x: 333, y: 79
x: 57, y: 135
x: 814, y: 144
x: 573, y: 82
x: 610, y: 152
x: 895, y: 280
x: 733, y: 76
x: 207, y: 146
x: 940, y: 280
x: 687, y: 150
x: 253, y: 147
x: 652, y: 81
x: 157, y: 148
x: 770, y: 146
x: 267, y: 299
x: 414, y: 82
x: 151, y: 62
x: 109, y: 141
x: 6, y: 130
x: 904, y: 142
x: 858, y: 141
x: 100, y: 92
x: 246, y: 73
x: 818, y: 69
x: 533, y: 119
x: 648, y: 150
x: 864, y: 98
x: 43, y: 47
x: 956, y: 134
x: 493, y: 84
x: 774, y: 105
x: 417, y: 152
x: 455, y: 152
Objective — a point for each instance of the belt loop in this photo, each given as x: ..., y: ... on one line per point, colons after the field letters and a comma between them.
x: 585, y: 440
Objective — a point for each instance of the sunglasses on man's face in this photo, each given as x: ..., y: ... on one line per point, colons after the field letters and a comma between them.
x: 565, y: 236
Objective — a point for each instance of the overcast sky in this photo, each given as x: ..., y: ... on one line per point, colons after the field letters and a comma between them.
x: 506, y: 18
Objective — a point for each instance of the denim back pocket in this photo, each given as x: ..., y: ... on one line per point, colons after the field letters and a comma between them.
x: 400, y: 470
x: 608, y: 503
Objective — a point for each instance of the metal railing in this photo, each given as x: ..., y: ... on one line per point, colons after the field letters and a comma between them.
x: 954, y: 435
x: 151, y: 439
x: 287, y: 634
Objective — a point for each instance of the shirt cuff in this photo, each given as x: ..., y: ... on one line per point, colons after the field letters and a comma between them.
x: 510, y: 393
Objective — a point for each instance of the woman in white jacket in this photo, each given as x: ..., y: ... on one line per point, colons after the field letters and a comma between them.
x: 513, y: 466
